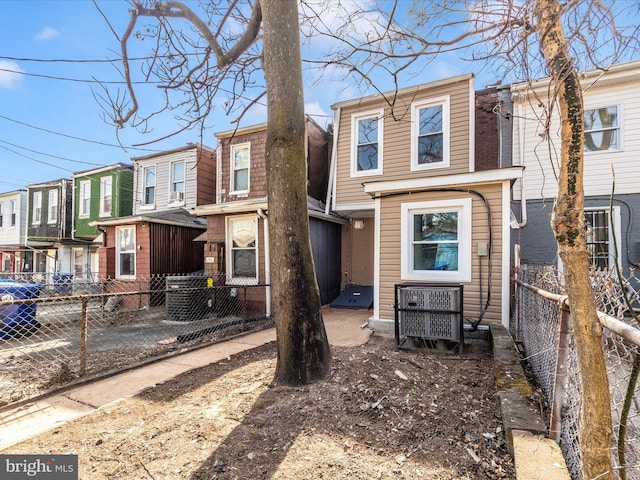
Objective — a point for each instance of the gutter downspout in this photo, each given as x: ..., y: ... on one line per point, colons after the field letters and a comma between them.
x: 333, y: 164
x: 218, y: 173
x: 523, y: 198
x: 267, y: 259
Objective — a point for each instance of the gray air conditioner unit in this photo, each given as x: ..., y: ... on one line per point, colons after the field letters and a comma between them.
x: 429, y: 316
x: 176, y: 196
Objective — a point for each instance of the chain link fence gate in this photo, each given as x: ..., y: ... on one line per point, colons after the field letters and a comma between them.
x: 541, y: 324
x: 53, y: 335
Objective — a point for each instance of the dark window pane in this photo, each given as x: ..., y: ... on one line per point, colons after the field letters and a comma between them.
x: 368, y: 131
x: 430, y: 149
x: 367, y: 157
x: 244, y: 263
x: 430, y: 120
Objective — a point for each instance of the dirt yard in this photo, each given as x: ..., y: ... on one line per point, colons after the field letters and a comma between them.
x: 383, y: 414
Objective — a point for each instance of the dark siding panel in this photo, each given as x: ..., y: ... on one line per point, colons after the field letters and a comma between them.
x: 325, y: 242
x: 173, y: 249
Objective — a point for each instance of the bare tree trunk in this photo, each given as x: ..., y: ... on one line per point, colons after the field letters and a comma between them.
x: 303, y: 350
x: 595, y: 430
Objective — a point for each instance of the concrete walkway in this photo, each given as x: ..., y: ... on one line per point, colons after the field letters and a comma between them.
x: 343, y: 329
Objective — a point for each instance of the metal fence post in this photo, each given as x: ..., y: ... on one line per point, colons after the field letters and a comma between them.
x: 83, y: 337
x: 562, y: 360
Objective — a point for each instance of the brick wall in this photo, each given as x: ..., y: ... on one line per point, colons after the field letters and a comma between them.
x: 487, y: 149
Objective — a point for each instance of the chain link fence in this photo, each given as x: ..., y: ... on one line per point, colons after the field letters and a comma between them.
x: 541, y: 322
x: 56, y: 334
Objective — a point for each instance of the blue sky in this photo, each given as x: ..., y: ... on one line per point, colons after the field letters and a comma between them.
x: 51, y: 127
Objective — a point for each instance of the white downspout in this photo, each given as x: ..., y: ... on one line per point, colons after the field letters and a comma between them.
x: 267, y: 259
x: 523, y: 196
x: 218, y: 198
x: 333, y: 165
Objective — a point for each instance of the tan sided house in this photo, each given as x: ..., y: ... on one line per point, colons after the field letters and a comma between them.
x: 405, y: 171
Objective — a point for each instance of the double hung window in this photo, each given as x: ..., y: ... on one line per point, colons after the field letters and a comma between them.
x: 366, y: 143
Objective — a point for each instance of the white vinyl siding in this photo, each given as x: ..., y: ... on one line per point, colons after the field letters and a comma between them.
x: 531, y: 150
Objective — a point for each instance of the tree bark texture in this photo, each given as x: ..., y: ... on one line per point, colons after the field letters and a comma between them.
x: 303, y: 350
x: 595, y: 431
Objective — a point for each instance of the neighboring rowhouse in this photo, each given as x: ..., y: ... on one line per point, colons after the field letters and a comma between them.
x: 13, y: 220
x: 158, y: 238
x: 421, y: 210
x: 611, y: 145
x: 99, y: 194
x: 49, y: 230
x: 237, y: 248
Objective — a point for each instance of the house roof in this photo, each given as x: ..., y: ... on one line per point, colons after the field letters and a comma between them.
x: 188, y: 146
x: 403, y: 91
x: 316, y: 209
x: 177, y: 216
x: 621, y: 72
x: 106, y: 168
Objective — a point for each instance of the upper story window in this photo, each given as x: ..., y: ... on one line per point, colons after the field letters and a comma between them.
x: 1, y: 215
x: 53, y: 206
x: 601, y: 129
x: 177, y: 182
x: 106, y: 196
x: 436, y: 240
x: 149, y: 188
x: 85, y: 198
x: 126, y: 252
x: 240, y: 155
x: 13, y: 210
x: 242, y: 241
x: 430, y: 134
x: 36, y: 214
x: 366, y: 143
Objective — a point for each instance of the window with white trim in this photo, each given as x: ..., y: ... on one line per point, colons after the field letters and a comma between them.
x: 12, y: 211
x: 85, y: 198
x: 177, y: 182
x: 599, y: 235
x: 149, y: 186
x: 106, y: 196
x: 126, y: 251
x: 78, y: 263
x: 601, y: 129
x: 240, y: 160
x: 1, y: 215
x: 430, y: 134
x: 36, y: 213
x: 242, y: 241
x: 436, y: 240
x: 366, y: 143
x: 53, y: 206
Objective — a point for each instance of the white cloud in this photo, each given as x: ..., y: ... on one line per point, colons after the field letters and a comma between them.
x: 47, y: 34
x: 10, y: 75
